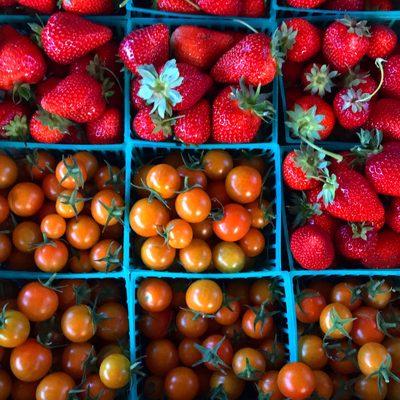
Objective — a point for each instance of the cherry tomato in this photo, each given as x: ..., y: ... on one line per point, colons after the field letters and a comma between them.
x: 51, y: 257
x: 51, y: 187
x: 228, y: 257
x: 115, y: 325
x: 139, y: 179
x: 156, y: 254
x: 89, y: 161
x: 333, y: 316
x: 229, y: 313
x: 268, y: 385
x: 234, y: 223
x: 262, y: 291
x: 343, y: 293
x: 311, y: 351
x: 80, y: 262
x: 378, y: 294
x: 23, y: 390
x: 74, y: 357
x: 253, y: 243
x: 217, y: 164
x: 189, y: 325
x: 94, y: 388
x: 217, y: 192
x: 5, y: 247
x: 107, y: 207
x: 248, y: 364
x: 296, y: 381
x: 106, y: 255
x: 25, y: 199
x: 37, y: 301
x: 223, y: 350
x: 274, y: 353
x: 161, y: 357
x: 77, y: 323
x: 5, y: 385
x: 68, y: 290
x: 343, y: 358
x: 232, y: 385
x: 202, y: 230
x: 181, y: 383
x: 323, y: 385
x: 193, y: 205
x: 4, y: 209
x: 153, y: 388
x: 243, y: 184
x: 14, y: 329
x: 178, y: 233
x: 164, y: 179
x: 154, y: 294
x: 371, y: 357
x: 55, y: 386
x: 69, y: 204
x: 196, y: 257
x: 8, y: 171
x: 257, y: 323
x: 106, y: 351
x: 40, y: 163
x: 26, y: 235
x: 204, y: 296
x: 393, y: 347
x: 82, y: 232
x: 188, y: 353
x: 365, y: 327
x: 368, y: 388
x: 193, y: 176
x: 155, y: 325
x: 30, y: 361
x: 53, y: 226
x: 309, y: 306
x: 71, y: 173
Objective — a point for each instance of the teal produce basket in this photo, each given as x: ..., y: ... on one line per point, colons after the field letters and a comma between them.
x: 269, y: 133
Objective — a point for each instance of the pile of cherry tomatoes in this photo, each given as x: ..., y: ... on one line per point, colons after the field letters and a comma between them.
x: 210, y: 339
x: 202, y: 211
x: 63, y: 340
x: 60, y: 212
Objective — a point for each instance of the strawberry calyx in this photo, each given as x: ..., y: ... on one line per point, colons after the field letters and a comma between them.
x: 283, y: 40
x: 112, y: 257
x: 22, y: 92
x: 327, y: 194
x: 36, y: 33
x: 355, y: 77
x: 159, y: 89
x: 302, y: 209
x: 17, y: 129
x: 164, y: 125
x: 53, y: 121
x: 253, y: 100
x: 320, y: 79
x: 370, y: 143
x: 354, y: 100
x: 360, y: 230
x: 211, y: 356
x: 310, y: 161
x: 360, y: 28
x: 72, y: 200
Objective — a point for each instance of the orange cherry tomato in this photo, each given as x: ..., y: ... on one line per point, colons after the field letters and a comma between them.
x: 109, y: 177
x: 178, y: 233
x: 369, y: 388
x: 74, y: 357
x: 154, y: 295
x: 371, y: 357
x: 202, y: 230
x: 8, y: 171
x: 51, y: 257
x: 228, y: 257
x: 190, y: 326
x: 77, y: 323
x: 80, y: 262
x: 250, y: 160
x: 71, y: 173
x: 342, y: 293
x: 106, y: 255
x: 14, y: 330
x: 232, y: 385
x: 51, y: 187
x: 196, y: 257
x: 115, y: 325
x: 26, y: 235
x: 164, y: 179
x: 82, y: 232
x: 55, y: 386
x: 260, y: 213
x: 248, y: 364
x: 243, y: 184
x: 161, y: 356
x: 229, y: 313
x: 40, y: 163
x: 257, y: 329
x: 139, y: 179
x: 193, y: 176
x: 188, y: 353
x: 107, y: 207
x: 193, y: 205
x: 5, y: 247
x: 69, y: 203
x: 156, y: 254
x: 309, y: 306
x: 217, y: 192
x: 53, y: 226
x: 25, y: 199
x: 181, y: 383
x: 94, y: 388
x: 327, y: 320
x: 204, y: 296
x: 253, y: 243
x: 268, y: 385
x: 217, y: 164
x: 89, y: 161
x: 311, y: 351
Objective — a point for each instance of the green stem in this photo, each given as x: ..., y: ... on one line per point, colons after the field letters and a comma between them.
x: 378, y: 63
x: 337, y: 157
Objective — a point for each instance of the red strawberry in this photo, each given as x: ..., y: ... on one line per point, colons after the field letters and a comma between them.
x: 13, y: 121
x: 351, y: 197
x: 311, y: 118
x: 41, y: 6
x: 220, y: 7
x: 137, y: 102
x: 314, y: 198
x: 250, y: 59
x: 305, y: 3
x: 43, y: 87
x: 391, y: 80
x: 49, y: 128
x: 67, y: 37
x: 105, y: 129
x: 302, y: 40
x: 317, y: 78
x: 178, y: 6
x: 200, y: 47
x: 78, y: 97
x: 382, y: 170
x: 393, y: 215
x: 238, y: 113
x: 382, y: 42
x: 326, y: 222
x: 81, y: 65
x: 380, y: 5
x: 345, y: 5
x: 88, y: 6
x: 350, y: 108
x: 354, y: 240
x: 150, y: 126
x: 253, y: 8
x: 21, y: 61
x: 312, y: 247
x: 149, y: 45
x: 359, y: 79
x: 385, y: 116
x: 345, y: 43
x: 298, y: 165
x: 386, y: 253
x: 195, y: 125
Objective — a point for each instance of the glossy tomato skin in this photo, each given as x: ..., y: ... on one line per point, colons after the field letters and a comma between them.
x: 89, y: 162
x: 115, y: 371
x: 229, y: 313
x: 369, y: 389
x: 193, y: 205
x: 154, y: 294
x: 5, y: 385
x: 228, y: 257
x: 94, y: 387
x: 51, y: 187
x: 161, y: 356
x: 82, y: 232
x: 309, y: 308
x: 189, y: 325
x: 25, y: 199
x: 196, y: 257
x: 73, y: 358
x: 67, y: 180
x: 260, y: 213
x: 5, y: 247
x: 15, y: 329
x: 245, y: 357
x: 156, y: 254
x: 311, y: 351
x: 179, y: 233
x: 257, y: 329
x: 164, y: 179
x: 268, y: 385
x: 202, y: 230
x: 204, y: 296
x: 371, y: 356
x: 23, y: 390
x: 67, y: 292
x: 8, y: 171
x: 4, y: 209
x: 342, y: 293
x: 326, y: 319
x: 25, y: 235
x: 188, y: 353
x: 253, y: 243
x: 155, y: 325
x: 217, y: 164
x: 30, y: 361
x: 225, y: 351
x: 55, y: 387
x: 115, y: 325
x: 53, y: 226
x: 380, y: 297
x: 296, y: 381
x: 77, y: 323
x: 51, y: 257
x: 393, y: 347
x: 181, y: 383
x: 243, y: 184
x: 324, y: 385
x: 232, y: 385
x: 365, y: 328
x: 104, y: 201
x: 194, y: 176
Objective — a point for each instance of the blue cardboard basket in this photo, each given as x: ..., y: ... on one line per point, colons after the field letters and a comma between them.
x: 270, y: 132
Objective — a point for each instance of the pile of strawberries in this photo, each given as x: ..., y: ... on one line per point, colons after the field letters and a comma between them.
x: 345, y: 5
x: 199, y: 84
x: 62, y: 85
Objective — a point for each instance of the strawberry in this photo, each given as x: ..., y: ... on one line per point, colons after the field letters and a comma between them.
x: 382, y: 42
x: 393, y: 215
x: 49, y: 128
x: 385, y: 116
x: 299, y: 166
x: 360, y: 79
x: 317, y: 78
x: 238, y: 113
x: 13, y: 121
x: 67, y: 37
x: 41, y: 6
x: 178, y: 6
x: 314, y: 197
x: 220, y: 7
x: 380, y: 5
x: 21, y: 61
x: 312, y: 118
x: 151, y: 127
x: 305, y: 3
x: 194, y: 126
x: 88, y: 6
x: 312, y: 247
x: 200, y: 47
x: 382, y: 170
x: 78, y: 97
x: 345, y: 5
x: 148, y: 45
x: 301, y: 40
x: 177, y: 87
x: 326, y: 222
x: 253, y: 8
x: 137, y: 102
x: 43, y: 87
x: 250, y: 59
x: 345, y: 43
x: 105, y: 129
x: 354, y: 240
x: 386, y: 253
x: 391, y: 80
x: 351, y: 109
